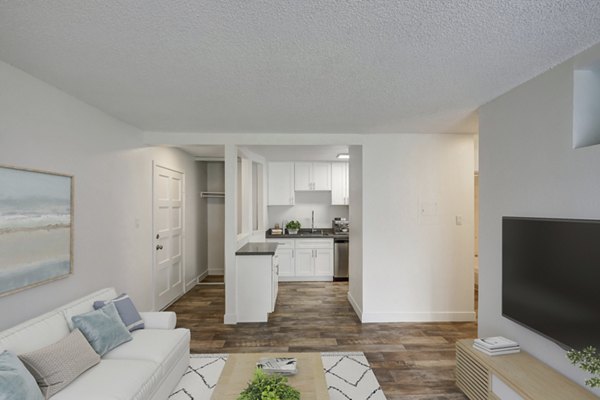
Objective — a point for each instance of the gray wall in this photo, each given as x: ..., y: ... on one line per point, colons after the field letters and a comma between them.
x: 529, y: 168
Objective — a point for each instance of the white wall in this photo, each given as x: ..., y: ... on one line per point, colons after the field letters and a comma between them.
x: 528, y: 167
x: 417, y: 262
x: 215, y: 172
x: 306, y: 202
x: 44, y: 128
x: 355, y: 244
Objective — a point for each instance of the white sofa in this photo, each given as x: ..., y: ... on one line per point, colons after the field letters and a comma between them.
x: 145, y: 368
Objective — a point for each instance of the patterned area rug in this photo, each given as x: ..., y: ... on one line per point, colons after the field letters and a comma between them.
x: 348, y: 376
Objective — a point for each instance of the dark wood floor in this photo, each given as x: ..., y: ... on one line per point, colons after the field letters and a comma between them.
x: 410, y: 360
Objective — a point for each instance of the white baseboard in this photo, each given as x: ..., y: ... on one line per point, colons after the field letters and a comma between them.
x: 436, y: 316
x: 190, y: 285
x: 230, y: 319
x: 327, y: 278
x: 355, y: 306
x: 202, y: 276
x: 216, y: 271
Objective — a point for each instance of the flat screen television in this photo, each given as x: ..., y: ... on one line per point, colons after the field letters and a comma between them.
x: 551, y: 278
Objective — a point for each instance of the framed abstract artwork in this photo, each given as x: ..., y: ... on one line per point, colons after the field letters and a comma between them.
x: 36, y: 228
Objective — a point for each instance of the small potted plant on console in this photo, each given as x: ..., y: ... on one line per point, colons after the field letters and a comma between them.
x: 293, y: 227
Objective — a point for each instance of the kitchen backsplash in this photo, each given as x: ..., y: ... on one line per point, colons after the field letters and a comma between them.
x: 306, y: 202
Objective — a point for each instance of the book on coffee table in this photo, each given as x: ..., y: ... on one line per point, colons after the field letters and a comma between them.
x: 285, y: 365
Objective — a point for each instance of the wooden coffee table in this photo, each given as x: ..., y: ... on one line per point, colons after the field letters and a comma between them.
x: 239, y: 370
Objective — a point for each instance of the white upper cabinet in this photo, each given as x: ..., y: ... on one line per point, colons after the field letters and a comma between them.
x: 312, y: 176
x: 281, y: 184
x: 321, y: 174
x: 340, y: 193
x: 303, y: 176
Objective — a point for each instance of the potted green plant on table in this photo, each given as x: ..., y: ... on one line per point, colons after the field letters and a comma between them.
x: 293, y: 227
x: 588, y: 360
x: 269, y: 387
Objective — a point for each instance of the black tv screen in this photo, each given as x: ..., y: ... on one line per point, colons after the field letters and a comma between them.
x: 551, y: 278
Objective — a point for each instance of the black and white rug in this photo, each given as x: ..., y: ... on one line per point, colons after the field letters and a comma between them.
x: 348, y: 376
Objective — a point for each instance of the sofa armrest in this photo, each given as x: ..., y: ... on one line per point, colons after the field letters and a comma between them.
x: 159, y: 320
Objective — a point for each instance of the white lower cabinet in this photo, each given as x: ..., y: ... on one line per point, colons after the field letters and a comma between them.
x: 257, y: 286
x: 305, y: 265
x: 324, y: 262
x: 274, y: 281
x: 305, y: 259
x: 286, y: 262
x: 285, y: 252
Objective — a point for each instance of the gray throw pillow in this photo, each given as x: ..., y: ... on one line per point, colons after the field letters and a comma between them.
x: 103, y: 328
x: 15, y: 381
x: 57, y: 365
x: 127, y: 311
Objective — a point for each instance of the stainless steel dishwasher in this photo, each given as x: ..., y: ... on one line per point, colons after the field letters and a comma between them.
x: 340, y: 258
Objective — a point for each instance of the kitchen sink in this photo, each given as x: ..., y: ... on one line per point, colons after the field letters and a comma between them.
x: 312, y: 234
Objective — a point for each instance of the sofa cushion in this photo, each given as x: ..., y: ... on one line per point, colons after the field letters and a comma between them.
x: 35, y: 333
x: 164, y: 347
x: 115, y: 379
x: 57, y: 365
x: 103, y: 328
x: 15, y: 380
x: 127, y: 311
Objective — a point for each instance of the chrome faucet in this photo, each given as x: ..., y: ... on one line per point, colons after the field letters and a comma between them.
x: 312, y: 225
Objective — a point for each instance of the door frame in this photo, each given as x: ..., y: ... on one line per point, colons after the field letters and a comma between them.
x: 154, y: 241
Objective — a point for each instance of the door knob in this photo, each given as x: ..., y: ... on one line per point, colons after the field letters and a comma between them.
x: 159, y: 247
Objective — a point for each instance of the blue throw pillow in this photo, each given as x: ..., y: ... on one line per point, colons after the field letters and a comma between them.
x: 103, y: 328
x: 127, y: 311
x: 15, y: 380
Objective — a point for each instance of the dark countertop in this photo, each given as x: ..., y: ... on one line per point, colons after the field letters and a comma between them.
x: 307, y: 234
x: 257, y: 249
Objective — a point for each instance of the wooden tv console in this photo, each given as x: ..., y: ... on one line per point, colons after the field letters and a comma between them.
x: 511, y: 377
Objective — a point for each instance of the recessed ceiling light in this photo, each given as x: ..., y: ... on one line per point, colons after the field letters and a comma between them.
x: 343, y: 156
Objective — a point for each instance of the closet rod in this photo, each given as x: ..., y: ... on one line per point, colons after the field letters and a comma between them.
x: 212, y: 194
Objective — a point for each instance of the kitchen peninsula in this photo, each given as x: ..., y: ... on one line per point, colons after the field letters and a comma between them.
x: 257, y: 281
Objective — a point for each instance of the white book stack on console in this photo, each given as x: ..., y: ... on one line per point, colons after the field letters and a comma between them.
x: 496, y: 346
x: 284, y: 366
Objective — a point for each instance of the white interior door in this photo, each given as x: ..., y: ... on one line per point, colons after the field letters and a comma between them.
x: 168, y: 236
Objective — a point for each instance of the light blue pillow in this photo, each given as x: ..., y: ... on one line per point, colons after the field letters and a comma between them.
x: 15, y: 380
x: 103, y: 328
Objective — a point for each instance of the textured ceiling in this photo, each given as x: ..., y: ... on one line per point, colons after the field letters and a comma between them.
x: 295, y: 65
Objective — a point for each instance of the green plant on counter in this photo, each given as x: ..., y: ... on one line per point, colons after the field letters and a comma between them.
x: 293, y: 225
x: 269, y: 387
x: 588, y: 360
